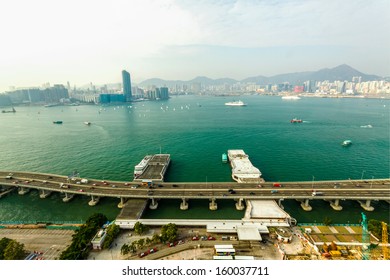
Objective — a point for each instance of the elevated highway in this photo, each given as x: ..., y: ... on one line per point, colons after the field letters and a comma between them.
x: 334, y: 191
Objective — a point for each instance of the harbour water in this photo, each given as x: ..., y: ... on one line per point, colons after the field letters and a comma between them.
x: 196, y: 130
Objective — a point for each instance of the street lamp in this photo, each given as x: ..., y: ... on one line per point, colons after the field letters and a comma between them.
x: 372, y: 179
x: 312, y: 183
x: 362, y: 174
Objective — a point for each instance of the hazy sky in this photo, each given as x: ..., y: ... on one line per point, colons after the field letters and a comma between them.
x: 84, y: 41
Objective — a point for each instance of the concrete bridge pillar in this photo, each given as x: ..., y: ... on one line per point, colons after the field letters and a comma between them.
x: 94, y: 200
x: 366, y: 205
x: 153, y: 205
x: 44, y: 193
x: 68, y: 197
x: 336, y: 205
x: 23, y: 191
x: 239, y: 204
x: 213, y: 205
x: 280, y: 203
x: 184, y: 204
x: 305, y: 205
x: 122, y: 202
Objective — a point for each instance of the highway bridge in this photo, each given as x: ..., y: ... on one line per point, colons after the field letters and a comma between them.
x: 334, y: 191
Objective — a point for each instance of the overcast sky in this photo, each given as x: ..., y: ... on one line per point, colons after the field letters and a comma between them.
x: 83, y: 41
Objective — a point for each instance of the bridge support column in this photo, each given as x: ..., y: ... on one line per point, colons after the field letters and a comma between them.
x: 23, y: 191
x: 239, y: 204
x: 68, y: 197
x: 366, y: 205
x: 213, y: 205
x: 305, y: 205
x: 153, y: 205
x: 122, y: 202
x: 184, y: 204
x: 44, y: 193
x: 94, y: 200
x: 280, y: 203
x: 336, y: 205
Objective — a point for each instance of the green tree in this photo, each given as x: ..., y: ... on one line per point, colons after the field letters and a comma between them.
x: 3, y: 244
x: 112, y: 232
x: 375, y: 227
x: 141, y: 243
x: 140, y: 228
x: 169, y: 232
x: 14, y: 251
x: 125, y: 249
x: 156, y: 238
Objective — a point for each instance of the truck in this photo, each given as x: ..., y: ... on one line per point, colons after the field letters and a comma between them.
x: 317, y: 193
x: 84, y: 181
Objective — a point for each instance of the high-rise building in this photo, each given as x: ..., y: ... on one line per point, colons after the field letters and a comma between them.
x: 126, y: 83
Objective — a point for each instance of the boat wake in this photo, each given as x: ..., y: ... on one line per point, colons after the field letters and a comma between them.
x: 366, y: 126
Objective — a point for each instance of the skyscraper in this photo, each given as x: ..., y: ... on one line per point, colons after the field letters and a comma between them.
x: 126, y: 83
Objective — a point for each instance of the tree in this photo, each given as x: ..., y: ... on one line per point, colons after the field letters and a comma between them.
x: 112, y: 232
x: 141, y: 243
x: 14, y: 251
x: 3, y: 244
x: 125, y: 249
x: 156, y: 238
x: 169, y: 232
x: 140, y: 228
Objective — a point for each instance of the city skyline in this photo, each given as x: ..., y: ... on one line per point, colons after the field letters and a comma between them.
x: 92, y: 41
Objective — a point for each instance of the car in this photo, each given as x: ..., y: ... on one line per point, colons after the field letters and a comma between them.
x: 8, y: 177
x: 44, y: 182
x: 203, y: 237
x: 233, y: 192
x: 15, y: 182
x: 175, y: 186
x: 180, y: 242
x: 126, y: 184
x: 105, y: 183
x: 172, y: 244
x: 278, y: 185
x: 80, y: 190
x: 195, y: 238
x: 150, y: 192
x: 259, y: 186
x: 274, y: 191
x: 113, y: 186
x: 211, y: 238
x: 153, y: 250
x: 251, y: 193
x: 133, y: 187
x: 94, y: 184
x: 160, y: 186
x: 143, y: 254
x: 230, y: 190
x: 78, y: 183
x: 200, y: 194
x: 27, y: 182
x: 50, y: 177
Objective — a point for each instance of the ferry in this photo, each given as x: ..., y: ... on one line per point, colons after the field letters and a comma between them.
x: 235, y: 103
x: 291, y: 97
x: 87, y: 123
x: 242, y: 169
x: 346, y: 143
x: 224, y: 157
x: 57, y: 122
x: 140, y: 167
x: 295, y: 120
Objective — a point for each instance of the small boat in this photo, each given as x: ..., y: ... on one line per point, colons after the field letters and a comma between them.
x: 57, y: 122
x: 87, y: 123
x: 295, y: 120
x: 346, y: 143
x: 291, y: 97
x: 224, y: 157
x: 10, y: 111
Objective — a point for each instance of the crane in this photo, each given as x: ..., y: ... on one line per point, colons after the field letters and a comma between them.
x: 384, y: 240
x: 365, y: 238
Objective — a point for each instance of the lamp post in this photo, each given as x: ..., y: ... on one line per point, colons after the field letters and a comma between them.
x: 372, y: 179
x: 312, y: 184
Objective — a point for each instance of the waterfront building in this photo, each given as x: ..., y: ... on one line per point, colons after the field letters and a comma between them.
x: 126, y: 85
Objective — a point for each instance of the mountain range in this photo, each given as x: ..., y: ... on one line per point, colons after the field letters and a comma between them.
x: 341, y: 73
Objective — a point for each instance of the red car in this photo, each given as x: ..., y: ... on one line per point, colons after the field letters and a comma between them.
x: 172, y: 244
x: 195, y: 238
x: 278, y: 185
x: 143, y: 254
x: 153, y: 250
x: 211, y: 238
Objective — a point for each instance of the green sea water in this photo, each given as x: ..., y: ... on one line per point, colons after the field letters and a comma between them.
x: 196, y: 130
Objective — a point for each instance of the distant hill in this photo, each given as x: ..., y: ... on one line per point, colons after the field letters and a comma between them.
x: 342, y: 73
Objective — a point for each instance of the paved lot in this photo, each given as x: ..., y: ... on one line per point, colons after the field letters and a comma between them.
x: 51, y: 242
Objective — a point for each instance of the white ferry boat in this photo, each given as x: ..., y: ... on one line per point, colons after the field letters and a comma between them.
x: 242, y: 169
x: 235, y: 103
x: 291, y: 97
x: 140, y: 167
